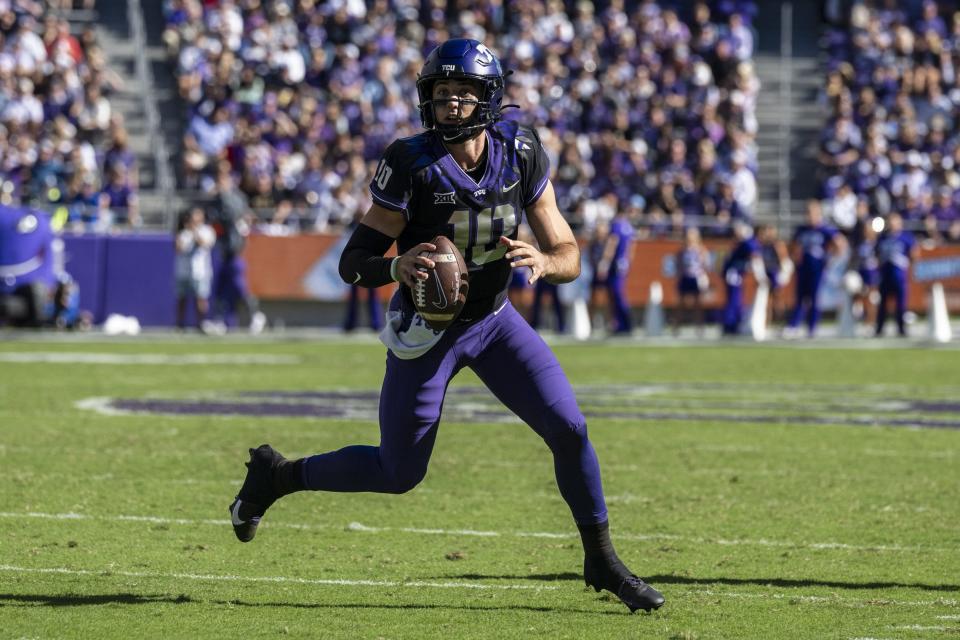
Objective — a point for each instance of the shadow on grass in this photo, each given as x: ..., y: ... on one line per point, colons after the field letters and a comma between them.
x: 75, y: 600
x: 450, y: 607
x: 762, y: 582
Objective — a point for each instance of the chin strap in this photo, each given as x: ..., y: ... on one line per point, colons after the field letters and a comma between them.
x: 462, y: 133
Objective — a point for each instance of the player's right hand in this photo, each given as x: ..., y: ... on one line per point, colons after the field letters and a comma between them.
x: 412, y: 265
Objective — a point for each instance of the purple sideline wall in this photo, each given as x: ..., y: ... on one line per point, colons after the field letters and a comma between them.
x: 134, y: 274
x: 83, y: 259
x: 130, y: 274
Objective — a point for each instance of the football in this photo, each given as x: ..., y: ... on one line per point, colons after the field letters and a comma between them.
x: 440, y: 298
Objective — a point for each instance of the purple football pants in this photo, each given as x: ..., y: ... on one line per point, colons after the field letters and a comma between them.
x: 808, y: 286
x: 616, y: 290
x: 893, y: 285
x: 520, y: 370
x: 230, y: 288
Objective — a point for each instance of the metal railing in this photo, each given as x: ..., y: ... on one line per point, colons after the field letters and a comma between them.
x: 786, y: 99
x: 163, y: 176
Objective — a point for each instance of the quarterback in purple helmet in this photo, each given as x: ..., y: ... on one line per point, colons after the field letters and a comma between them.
x: 471, y: 177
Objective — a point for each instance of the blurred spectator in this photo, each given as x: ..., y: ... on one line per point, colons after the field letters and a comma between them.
x: 120, y: 199
x: 194, y: 266
x: 206, y: 142
x: 232, y: 220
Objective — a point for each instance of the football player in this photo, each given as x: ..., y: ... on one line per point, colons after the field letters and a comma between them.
x: 613, y: 268
x: 744, y: 257
x: 896, y: 249
x: 470, y: 177
x: 812, y: 242
x: 692, y: 280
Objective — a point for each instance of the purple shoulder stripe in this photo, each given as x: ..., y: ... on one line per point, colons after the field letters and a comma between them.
x: 537, y: 192
x: 387, y: 202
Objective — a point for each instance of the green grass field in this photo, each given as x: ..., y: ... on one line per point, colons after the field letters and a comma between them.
x: 769, y: 492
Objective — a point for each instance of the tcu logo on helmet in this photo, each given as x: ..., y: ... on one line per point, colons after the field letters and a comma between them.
x: 486, y: 56
x: 471, y: 60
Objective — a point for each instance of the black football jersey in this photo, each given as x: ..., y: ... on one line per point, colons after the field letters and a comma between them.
x: 420, y: 180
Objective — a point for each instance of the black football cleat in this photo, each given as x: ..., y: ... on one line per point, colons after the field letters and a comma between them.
x: 257, y: 493
x: 632, y: 591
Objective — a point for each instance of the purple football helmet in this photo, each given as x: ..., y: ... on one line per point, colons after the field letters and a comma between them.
x: 461, y: 58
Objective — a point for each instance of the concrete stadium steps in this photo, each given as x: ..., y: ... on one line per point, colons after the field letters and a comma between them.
x: 788, y: 114
x: 114, y: 35
x: 113, y: 30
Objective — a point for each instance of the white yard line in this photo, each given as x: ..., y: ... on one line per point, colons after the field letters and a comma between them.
x: 358, y: 527
x: 236, y: 578
x: 56, y: 357
x: 944, y: 602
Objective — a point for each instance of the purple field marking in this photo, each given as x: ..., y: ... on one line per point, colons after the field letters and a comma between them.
x: 361, y: 405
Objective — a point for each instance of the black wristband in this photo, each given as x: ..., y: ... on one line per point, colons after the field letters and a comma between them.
x: 362, y: 260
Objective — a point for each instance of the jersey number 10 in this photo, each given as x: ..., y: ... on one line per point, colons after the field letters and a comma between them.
x: 477, y: 234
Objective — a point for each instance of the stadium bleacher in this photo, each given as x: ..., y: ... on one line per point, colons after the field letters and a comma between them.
x: 891, y: 142
x: 62, y: 145
x: 653, y: 105
x: 648, y: 106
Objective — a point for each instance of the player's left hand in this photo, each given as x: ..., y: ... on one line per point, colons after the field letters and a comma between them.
x: 524, y: 254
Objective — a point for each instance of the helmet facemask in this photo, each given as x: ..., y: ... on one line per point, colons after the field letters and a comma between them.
x: 462, y: 59
x: 485, y: 113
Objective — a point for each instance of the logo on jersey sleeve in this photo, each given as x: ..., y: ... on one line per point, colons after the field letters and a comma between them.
x: 445, y: 198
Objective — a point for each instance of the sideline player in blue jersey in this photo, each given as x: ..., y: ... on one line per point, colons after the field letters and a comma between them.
x: 469, y: 177
x: 778, y: 267
x: 895, y: 252
x: 613, y: 267
x: 864, y: 259
x: 744, y: 255
x: 692, y: 279
x: 812, y: 243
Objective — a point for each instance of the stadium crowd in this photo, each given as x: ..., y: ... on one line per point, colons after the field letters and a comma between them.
x: 62, y: 147
x: 642, y: 106
x: 892, y: 142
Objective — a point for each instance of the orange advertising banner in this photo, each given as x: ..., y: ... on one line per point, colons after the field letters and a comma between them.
x: 301, y: 267
x: 304, y: 267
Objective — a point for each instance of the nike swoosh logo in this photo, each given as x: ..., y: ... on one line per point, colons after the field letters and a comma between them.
x: 506, y: 188
x: 235, y: 515
x: 357, y: 279
x: 441, y: 302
